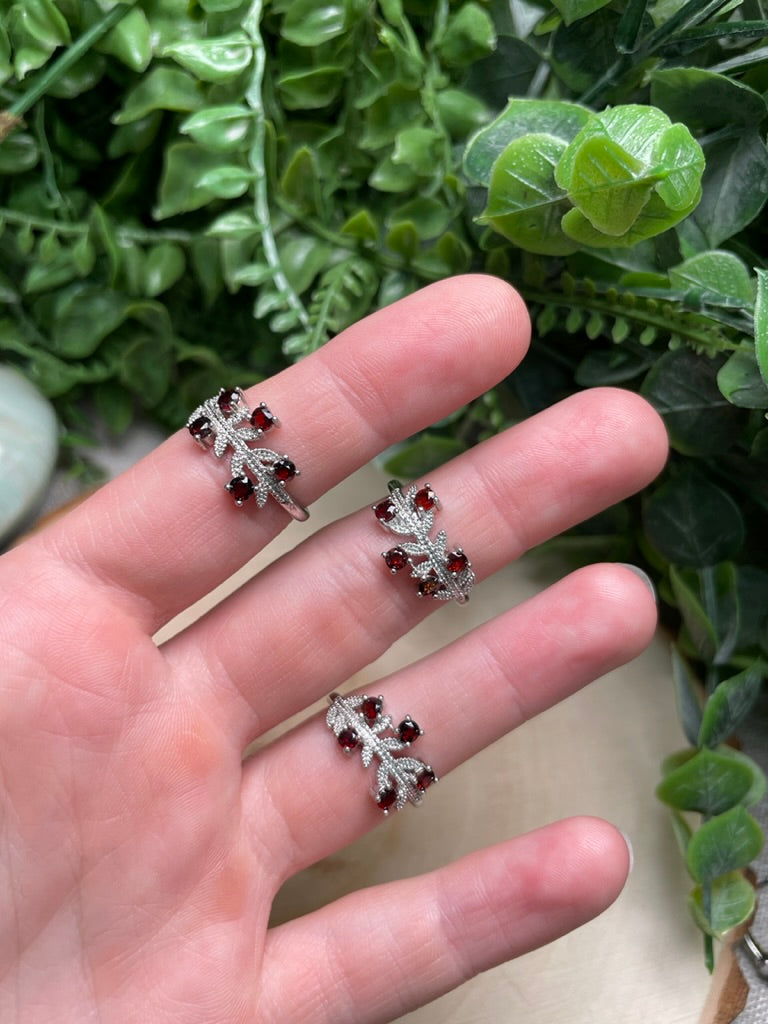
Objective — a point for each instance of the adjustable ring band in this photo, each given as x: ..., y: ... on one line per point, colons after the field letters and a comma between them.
x: 359, y: 725
x: 442, y: 574
x: 225, y: 421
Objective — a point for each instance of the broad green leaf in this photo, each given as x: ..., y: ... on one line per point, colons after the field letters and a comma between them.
x: 741, y: 382
x: 309, y: 23
x: 160, y: 89
x: 691, y: 521
x: 221, y: 128
x: 423, y: 455
x: 130, y: 41
x: 418, y: 148
x: 688, y: 693
x: 734, y: 186
x: 214, y: 60
x: 602, y: 367
x: 146, y: 365
x: 525, y: 203
x: 429, y: 216
x: 701, y: 629
x: 460, y: 112
x: 18, y: 153
x: 680, y: 163
x: 520, y: 117
x: 469, y: 35
x: 180, y: 191
x: 165, y: 265
x: 608, y: 185
x: 727, y: 842
x: 508, y: 71
x: 759, y: 785
x: 84, y: 318
x: 361, y: 225
x: 234, y: 224
x: 227, y: 181
x: 574, y: 10
x: 36, y: 28
x: 717, y: 278
x: 585, y: 50
x: 761, y: 323
x: 730, y: 704
x: 683, y: 388
x: 300, y: 182
x: 731, y: 900
x: 302, y: 258
x: 708, y: 783
x: 311, y: 88
x: 703, y: 99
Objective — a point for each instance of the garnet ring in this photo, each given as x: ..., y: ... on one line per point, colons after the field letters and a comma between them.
x: 441, y: 573
x: 225, y: 422
x: 360, y: 726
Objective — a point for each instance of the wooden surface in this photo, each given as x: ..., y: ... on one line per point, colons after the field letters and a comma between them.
x: 597, y: 753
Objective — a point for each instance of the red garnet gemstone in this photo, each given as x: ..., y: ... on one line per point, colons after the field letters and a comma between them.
x: 408, y: 731
x: 262, y: 418
x: 396, y: 559
x: 284, y: 470
x: 386, y: 799
x: 200, y: 428
x: 425, y: 499
x: 240, y: 488
x: 228, y: 400
x: 348, y: 739
x: 385, y: 511
x: 430, y: 586
x: 425, y: 778
x: 370, y: 709
x: 456, y: 562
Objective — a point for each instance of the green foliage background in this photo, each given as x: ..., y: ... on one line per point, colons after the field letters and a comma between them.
x: 193, y: 192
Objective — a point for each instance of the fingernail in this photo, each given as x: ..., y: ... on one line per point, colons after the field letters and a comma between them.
x: 642, y: 575
x: 630, y: 850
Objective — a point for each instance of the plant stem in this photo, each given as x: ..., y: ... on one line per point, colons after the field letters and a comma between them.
x: 11, y: 118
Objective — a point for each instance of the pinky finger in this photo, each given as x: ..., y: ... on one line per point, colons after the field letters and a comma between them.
x: 382, y: 952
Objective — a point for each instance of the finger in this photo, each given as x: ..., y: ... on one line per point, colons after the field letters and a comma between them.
x: 165, y: 533
x: 390, y: 949
x: 329, y: 607
x: 464, y: 697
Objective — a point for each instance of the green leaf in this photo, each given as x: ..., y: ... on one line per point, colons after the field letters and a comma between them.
x: 691, y: 521
x: 729, y: 841
x: 300, y: 181
x: 731, y: 902
x: 418, y: 148
x: 423, y: 455
x: 520, y: 117
x: 574, y: 10
x: 708, y: 783
x: 130, y: 41
x: 701, y: 629
x: 469, y: 35
x: 688, y: 695
x: 734, y: 186
x: 730, y: 705
x: 703, y: 99
x: 215, y: 59
x: 165, y: 265
x: 525, y: 204
x: 160, y: 89
x: 761, y: 323
x: 18, y: 153
x: 311, y: 88
x: 683, y: 388
x: 86, y: 316
x: 740, y: 381
x: 308, y: 23
x: 608, y: 185
x: 227, y: 181
x: 146, y: 366
x: 236, y: 224
x: 221, y: 128
x: 186, y: 165
x: 508, y: 71
x: 716, y: 278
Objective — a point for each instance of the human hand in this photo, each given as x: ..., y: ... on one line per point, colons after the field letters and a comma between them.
x: 140, y: 855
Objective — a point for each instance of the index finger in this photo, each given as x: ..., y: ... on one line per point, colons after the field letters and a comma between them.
x: 165, y: 533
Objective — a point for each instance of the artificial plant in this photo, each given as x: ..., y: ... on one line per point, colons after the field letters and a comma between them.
x: 197, y: 190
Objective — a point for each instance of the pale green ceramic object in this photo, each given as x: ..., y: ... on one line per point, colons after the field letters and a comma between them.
x: 28, y: 447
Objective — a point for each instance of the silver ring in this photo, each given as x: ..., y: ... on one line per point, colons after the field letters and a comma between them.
x: 359, y: 725
x: 442, y: 574
x: 225, y: 421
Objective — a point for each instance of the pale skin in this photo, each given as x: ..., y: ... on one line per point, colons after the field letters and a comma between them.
x: 140, y: 855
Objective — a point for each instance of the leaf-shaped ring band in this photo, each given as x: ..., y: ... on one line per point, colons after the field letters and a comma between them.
x: 441, y: 573
x: 225, y: 422
x: 360, y: 726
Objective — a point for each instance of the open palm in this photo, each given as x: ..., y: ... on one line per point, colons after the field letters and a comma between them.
x: 140, y: 854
